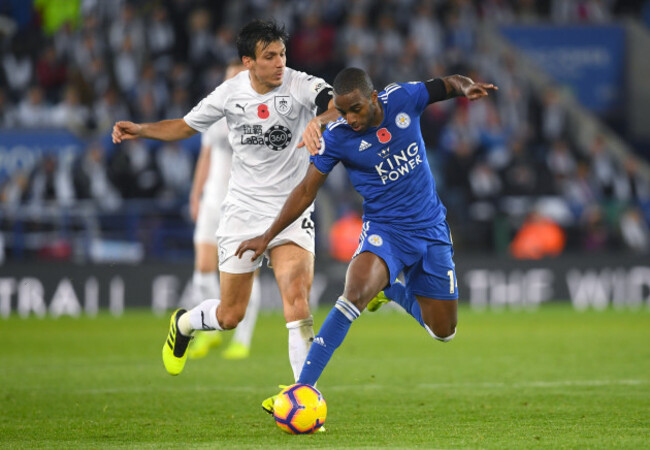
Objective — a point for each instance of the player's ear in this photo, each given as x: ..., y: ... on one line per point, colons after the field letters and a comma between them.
x: 373, y: 97
x: 247, y: 61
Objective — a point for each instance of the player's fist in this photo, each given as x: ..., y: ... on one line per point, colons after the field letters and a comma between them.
x: 124, y: 130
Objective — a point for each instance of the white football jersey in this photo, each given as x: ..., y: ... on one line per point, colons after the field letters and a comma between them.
x: 264, y: 132
x: 216, y: 185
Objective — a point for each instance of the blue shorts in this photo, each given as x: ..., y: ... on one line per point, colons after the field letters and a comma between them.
x: 424, y: 256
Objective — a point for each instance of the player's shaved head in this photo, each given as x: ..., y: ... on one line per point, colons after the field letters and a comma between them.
x: 350, y: 79
x: 262, y: 31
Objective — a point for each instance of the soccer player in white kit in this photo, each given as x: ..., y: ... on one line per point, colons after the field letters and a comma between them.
x: 209, y: 189
x: 265, y: 108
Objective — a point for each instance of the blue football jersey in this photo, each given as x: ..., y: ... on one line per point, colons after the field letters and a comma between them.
x: 388, y: 164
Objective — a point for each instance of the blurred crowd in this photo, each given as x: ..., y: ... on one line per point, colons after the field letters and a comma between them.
x: 500, y: 164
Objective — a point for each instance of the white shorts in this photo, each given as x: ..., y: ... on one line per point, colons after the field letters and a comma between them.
x: 238, y: 225
x: 207, y: 223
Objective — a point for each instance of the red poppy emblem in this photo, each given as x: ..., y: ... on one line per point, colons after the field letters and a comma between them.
x: 384, y: 135
x: 263, y: 111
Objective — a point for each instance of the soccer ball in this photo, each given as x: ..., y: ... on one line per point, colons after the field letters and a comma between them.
x: 300, y: 409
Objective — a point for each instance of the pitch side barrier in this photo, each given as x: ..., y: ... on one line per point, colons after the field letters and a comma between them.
x: 55, y: 289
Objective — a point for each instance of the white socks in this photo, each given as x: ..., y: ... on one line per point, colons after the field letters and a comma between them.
x: 301, y: 335
x: 244, y: 331
x: 201, y: 317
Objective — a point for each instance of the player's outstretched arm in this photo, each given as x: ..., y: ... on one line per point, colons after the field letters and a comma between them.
x: 313, y: 131
x: 461, y: 86
x: 298, y: 201
x: 165, y: 130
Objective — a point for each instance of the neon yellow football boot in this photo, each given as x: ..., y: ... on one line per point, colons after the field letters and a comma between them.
x: 236, y: 350
x: 267, y: 404
x: 203, y: 342
x: 377, y: 302
x: 174, y: 351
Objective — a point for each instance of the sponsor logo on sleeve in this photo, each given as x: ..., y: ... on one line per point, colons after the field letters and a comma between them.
x: 318, y: 86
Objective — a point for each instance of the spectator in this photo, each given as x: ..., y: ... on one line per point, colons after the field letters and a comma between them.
x: 51, y: 73
x: 560, y: 161
x: 134, y: 172
x: 553, y: 117
x: 18, y: 68
x: 160, y: 39
x: 539, y: 237
x: 91, y: 180
x: 604, y: 168
x: 129, y: 27
x: 7, y: 111
x: 594, y: 231
x: 635, y: 231
x: 631, y: 187
x: 51, y: 181
x: 312, y: 46
x: 70, y: 113
x: 176, y: 167
x: 32, y: 111
x: 127, y: 67
x: 201, y: 40
x: 14, y: 190
x: 108, y: 109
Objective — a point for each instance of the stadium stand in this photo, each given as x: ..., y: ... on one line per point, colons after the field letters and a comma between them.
x: 68, y: 73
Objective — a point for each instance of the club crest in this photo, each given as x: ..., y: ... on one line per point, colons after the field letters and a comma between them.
x: 283, y: 104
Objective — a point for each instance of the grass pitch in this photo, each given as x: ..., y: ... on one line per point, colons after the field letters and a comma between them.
x: 554, y: 378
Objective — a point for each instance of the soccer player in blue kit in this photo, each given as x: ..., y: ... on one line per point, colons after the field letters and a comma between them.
x: 378, y: 140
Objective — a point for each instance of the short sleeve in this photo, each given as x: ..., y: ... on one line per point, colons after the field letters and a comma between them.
x: 305, y: 88
x: 207, y: 111
x: 326, y: 159
x: 216, y: 133
x: 419, y: 93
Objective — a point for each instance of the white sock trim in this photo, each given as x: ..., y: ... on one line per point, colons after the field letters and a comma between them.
x: 347, y: 308
x: 309, y: 321
x: 441, y: 339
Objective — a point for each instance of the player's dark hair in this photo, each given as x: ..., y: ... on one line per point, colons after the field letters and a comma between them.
x: 350, y: 79
x: 264, y: 31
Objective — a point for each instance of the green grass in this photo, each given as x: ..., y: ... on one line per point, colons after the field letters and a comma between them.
x: 554, y: 378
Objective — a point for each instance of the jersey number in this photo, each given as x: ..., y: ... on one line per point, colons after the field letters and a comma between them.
x: 308, y: 226
x: 452, y: 282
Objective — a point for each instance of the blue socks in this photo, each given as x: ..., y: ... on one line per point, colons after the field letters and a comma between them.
x: 403, y: 297
x: 329, y: 338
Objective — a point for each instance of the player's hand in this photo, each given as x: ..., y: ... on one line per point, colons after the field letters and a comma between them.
x: 479, y: 90
x: 311, y: 136
x: 124, y: 130
x: 257, y: 245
